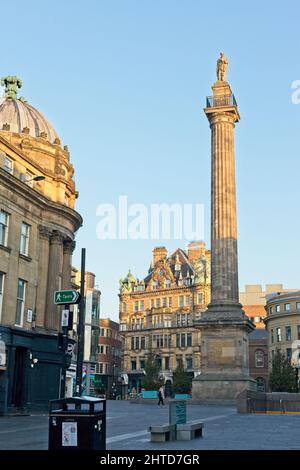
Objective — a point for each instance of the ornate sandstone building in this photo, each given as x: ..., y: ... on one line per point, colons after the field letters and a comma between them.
x: 158, y: 312
x: 37, y: 229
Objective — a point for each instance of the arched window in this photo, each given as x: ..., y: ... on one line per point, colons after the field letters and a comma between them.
x: 260, y: 384
x: 259, y: 358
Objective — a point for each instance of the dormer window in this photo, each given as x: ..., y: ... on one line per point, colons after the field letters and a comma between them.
x: 168, y: 284
x: 154, y: 285
x: 177, y: 267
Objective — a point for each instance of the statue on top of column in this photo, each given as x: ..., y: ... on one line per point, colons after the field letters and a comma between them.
x: 222, y: 64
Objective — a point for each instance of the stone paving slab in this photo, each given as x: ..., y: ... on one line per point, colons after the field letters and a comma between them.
x: 127, y: 426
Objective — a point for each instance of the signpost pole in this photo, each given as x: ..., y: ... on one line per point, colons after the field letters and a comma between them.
x: 81, y: 318
x: 65, y: 319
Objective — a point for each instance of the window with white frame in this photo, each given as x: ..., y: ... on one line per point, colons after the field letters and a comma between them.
x: 24, y: 241
x: 259, y: 358
x: 8, y: 165
x: 2, y: 276
x: 20, y: 302
x: 29, y: 178
x: 4, y: 221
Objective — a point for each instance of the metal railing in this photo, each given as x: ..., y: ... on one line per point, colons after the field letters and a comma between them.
x: 227, y: 100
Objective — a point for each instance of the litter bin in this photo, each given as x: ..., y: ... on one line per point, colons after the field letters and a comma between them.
x: 77, y: 423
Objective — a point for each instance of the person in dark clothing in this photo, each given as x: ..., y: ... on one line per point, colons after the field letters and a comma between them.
x: 161, y: 396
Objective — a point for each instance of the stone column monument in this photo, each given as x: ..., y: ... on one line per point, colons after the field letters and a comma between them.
x: 224, y: 325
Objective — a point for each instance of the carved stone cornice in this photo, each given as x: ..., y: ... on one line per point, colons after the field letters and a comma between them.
x: 69, y: 247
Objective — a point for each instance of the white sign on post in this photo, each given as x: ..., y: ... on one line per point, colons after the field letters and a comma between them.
x: 65, y: 318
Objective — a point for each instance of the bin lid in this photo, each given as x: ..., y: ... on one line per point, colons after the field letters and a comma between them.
x: 75, y: 404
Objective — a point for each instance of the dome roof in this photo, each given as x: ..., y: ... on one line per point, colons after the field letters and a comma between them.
x: 16, y: 115
x: 20, y: 115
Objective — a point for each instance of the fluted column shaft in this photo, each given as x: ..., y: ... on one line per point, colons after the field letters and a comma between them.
x: 54, y: 279
x: 68, y: 248
x: 224, y: 265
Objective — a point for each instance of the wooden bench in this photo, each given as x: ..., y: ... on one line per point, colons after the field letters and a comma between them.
x: 162, y: 433
x: 188, y: 431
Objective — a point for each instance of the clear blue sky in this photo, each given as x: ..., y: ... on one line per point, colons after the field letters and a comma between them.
x: 124, y: 83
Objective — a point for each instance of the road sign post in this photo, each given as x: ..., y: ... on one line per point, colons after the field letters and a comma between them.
x: 64, y: 325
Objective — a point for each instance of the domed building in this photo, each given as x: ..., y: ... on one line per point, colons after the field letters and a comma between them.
x: 38, y: 224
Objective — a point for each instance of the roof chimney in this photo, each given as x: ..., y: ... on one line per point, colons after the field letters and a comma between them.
x: 159, y: 253
x: 195, y: 250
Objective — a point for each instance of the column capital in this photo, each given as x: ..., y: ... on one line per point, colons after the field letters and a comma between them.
x: 56, y: 237
x: 69, y: 246
x: 44, y: 232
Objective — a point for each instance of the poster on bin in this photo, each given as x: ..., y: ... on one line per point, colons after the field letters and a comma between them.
x: 69, y: 434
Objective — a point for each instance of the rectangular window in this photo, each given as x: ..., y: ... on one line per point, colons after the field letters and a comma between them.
x: 143, y: 342
x: 142, y: 363
x: 183, y: 342
x: 168, y: 283
x: 142, y: 305
x: 298, y: 331
x: 187, y: 300
x: 155, y: 285
x: 123, y: 307
x: 8, y: 165
x: 200, y: 299
x: 165, y: 301
x: 181, y: 302
x: 29, y: 178
x: 189, y: 362
x: 2, y: 275
x: 297, y: 305
x: 102, y: 332
x: 20, y: 302
x: 133, y: 364
x: 137, y: 342
x: 170, y: 301
x: 277, y: 308
x: 136, y: 306
x: 152, y: 303
x: 167, y: 363
x: 289, y: 353
x: 287, y: 307
x: 189, y: 339
x: 278, y: 334
x: 288, y: 333
x: 4, y: 220
x: 157, y: 303
x: 178, y: 340
x: 272, y: 336
x: 271, y: 310
x: 101, y: 368
x: 132, y: 343
x: 24, y: 242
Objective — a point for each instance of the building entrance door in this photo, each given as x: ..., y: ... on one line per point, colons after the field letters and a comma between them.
x: 18, y: 398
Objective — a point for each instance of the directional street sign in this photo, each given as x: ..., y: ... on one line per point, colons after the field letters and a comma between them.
x: 64, y: 297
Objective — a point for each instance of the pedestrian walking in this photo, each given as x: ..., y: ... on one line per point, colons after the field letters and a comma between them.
x: 161, y: 396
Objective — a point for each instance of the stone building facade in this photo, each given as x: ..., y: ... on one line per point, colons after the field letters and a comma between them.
x: 91, y: 331
x: 158, y: 312
x: 108, y: 379
x: 37, y: 229
x: 258, y: 358
x: 283, y: 325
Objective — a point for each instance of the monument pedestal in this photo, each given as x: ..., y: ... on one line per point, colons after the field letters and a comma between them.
x: 225, y: 354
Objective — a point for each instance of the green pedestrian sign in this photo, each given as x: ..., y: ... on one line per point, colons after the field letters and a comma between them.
x: 66, y: 297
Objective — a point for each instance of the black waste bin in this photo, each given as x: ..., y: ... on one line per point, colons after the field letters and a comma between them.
x: 77, y: 423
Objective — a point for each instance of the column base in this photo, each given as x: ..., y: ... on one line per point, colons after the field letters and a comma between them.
x: 221, y: 387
